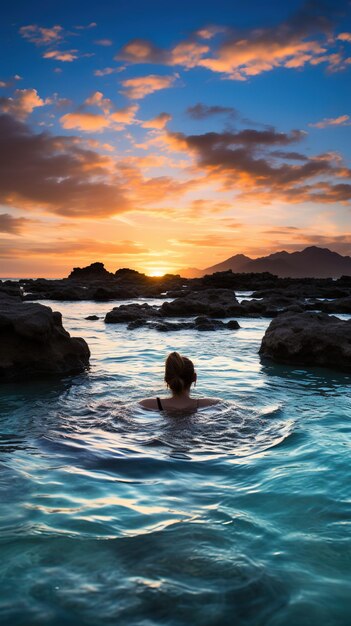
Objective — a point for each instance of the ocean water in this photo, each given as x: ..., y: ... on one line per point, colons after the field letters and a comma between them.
x: 237, y: 514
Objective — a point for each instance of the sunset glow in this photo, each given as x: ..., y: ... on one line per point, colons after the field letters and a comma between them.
x: 173, y: 140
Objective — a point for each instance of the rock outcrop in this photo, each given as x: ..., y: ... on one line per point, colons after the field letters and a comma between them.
x: 209, y: 302
x: 308, y: 339
x: 33, y: 343
x: 127, y: 313
x: 91, y: 272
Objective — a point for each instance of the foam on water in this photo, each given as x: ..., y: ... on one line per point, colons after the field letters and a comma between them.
x: 238, y: 513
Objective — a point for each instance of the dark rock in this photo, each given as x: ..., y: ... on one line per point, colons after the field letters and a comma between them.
x: 210, y: 302
x: 207, y: 324
x: 10, y: 288
x: 131, y: 312
x: 91, y: 272
x: 136, y: 324
x: 92, y: 317
x: 33, y: 343
x: 200, y: 323
x: 308, y: 339
x: 233, y: 325
x: 340, y: 305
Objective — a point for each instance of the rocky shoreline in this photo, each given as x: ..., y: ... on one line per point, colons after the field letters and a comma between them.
x: 34, y: 343
x: 291, y: 303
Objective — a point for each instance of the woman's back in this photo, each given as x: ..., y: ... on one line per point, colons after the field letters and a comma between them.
x: 177, y: 403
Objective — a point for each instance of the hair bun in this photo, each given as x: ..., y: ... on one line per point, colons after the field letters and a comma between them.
x: 179, y: 372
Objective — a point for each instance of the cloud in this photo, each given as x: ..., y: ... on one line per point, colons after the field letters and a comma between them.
x: 142, y: 51
x: 22, y: 104
x: 159, y: 122
x: 244, y: 161
x: 207, y: 241
x: 12, y: 225
x: 106, y: 71
x: 10, y: 83
x: 304, y: 38
x: 126, y: 115
x: 202, y: 111
x: 58, y: 55
x: 71, y: 248
x: 103, y: 42
x: 88, y: 122
x: 42, y: 36
x: 344, y: 37
x: 84, y: 121
x: 55, y: 173
x: 97, y: 99
x: 137, y: 88
x: 87, y: 27
x: 342, y: 120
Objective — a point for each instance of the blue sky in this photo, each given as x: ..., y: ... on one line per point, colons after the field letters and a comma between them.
x: 164, y: 136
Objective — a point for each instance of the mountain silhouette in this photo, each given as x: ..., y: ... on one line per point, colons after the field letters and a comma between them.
x: 312, y: 262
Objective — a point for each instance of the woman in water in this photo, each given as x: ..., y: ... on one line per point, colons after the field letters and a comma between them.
x: 179, y: 376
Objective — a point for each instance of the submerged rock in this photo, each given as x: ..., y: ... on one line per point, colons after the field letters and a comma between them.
x: 33, y: 343
x: 201, y: 323
x: 308, y: 339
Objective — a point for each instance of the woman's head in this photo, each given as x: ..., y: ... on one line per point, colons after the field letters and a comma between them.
x: 179, y: 373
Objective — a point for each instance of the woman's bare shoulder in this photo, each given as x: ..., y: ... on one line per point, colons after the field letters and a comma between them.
x: 202, y: 402
x: 148, y: 403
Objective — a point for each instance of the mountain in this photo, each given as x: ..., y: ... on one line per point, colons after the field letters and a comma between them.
x: 312, y: 262
x: 234, y: 263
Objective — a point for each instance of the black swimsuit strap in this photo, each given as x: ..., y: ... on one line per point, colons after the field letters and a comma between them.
x: 160, y: 407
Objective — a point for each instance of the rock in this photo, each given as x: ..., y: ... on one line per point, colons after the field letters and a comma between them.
x: 92, y: 317
x: 204, y: 323
x: 33, y: 343
x: 210, y: 302
x: 200, y: 323
x: 308, y: 339
x: 340, y: 305
x: 233, y: 325
x: 136, y: 324
x: 90, y: 272
x: 131, y: 312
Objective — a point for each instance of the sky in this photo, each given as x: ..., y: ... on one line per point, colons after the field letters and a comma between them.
x: 161, y: 136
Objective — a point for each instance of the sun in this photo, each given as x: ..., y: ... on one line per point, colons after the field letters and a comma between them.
x: 157, y: 271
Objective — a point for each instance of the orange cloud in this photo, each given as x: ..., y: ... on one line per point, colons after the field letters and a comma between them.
x: 159, y: 122
x: 57, y: 174
x: 97, y: 99
x: 244, y: 161
x: 41, y: 36
x: 87, y: 121
x: 188, y: 54
x: 22, y: 104
x: 72, y: 248
x: 342, y: 120
x: 303, y: 38
x: 344, y: 37
x: 126, y: 115
x: 65, y: 56
x: 137, y: 88
x: 84, y: 121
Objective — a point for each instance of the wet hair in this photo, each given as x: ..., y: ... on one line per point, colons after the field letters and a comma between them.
x: 179, y: 372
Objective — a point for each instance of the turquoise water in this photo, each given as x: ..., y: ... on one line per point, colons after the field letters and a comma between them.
x: 237, y: 514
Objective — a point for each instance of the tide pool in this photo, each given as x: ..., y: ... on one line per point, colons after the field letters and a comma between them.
x: 237, y: 514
